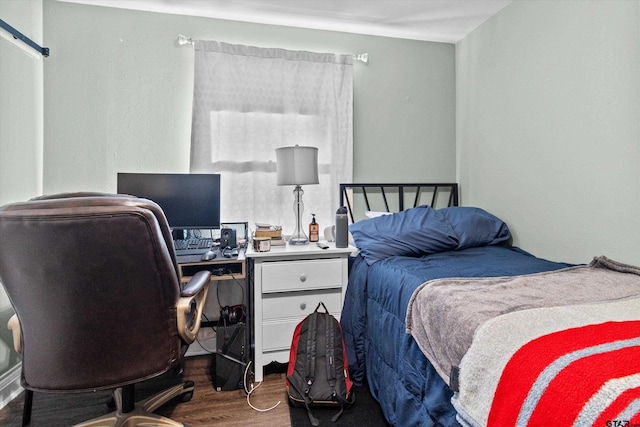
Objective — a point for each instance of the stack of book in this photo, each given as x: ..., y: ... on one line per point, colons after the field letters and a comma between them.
x: 273, y: 232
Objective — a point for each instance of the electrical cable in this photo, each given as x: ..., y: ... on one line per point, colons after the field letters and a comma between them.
x: 210, y: 323
x: 218, y: 294
x: 203, y: 347
x: 236, y: 282
x: 215, y: 330
x: 249, y: 392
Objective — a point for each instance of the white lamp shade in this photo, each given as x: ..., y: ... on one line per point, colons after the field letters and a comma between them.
x: 297, y: 165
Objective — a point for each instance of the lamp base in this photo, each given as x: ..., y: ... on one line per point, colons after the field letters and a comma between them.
x: 298, y: 237
x: 301, y: 240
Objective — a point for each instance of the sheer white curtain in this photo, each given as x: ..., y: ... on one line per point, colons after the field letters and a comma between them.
x: 247, y: 102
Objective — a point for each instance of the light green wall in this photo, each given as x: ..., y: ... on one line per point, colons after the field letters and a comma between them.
x: 21, y: 118
x: 118, y: 92
x: 548, y: 125
x: 21, y: 113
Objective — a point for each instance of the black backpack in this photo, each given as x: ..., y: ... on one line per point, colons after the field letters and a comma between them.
x: 317, y: 374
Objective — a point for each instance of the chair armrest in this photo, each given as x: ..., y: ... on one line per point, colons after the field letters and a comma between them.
x: 195, y: 290
x: 14, y: 326
x: 196, y: 283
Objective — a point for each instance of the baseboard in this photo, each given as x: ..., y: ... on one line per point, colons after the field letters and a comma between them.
x: 10, y: 386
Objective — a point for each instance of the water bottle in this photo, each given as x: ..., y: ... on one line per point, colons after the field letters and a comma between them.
x: 342, y: 228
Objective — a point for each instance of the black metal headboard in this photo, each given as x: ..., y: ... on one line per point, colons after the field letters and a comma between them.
x: 420, y: 193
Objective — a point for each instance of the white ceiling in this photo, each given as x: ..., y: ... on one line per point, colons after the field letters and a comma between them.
x: 431, y: 20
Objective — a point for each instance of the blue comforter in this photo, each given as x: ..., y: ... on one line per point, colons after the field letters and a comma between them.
x: 373, y: 320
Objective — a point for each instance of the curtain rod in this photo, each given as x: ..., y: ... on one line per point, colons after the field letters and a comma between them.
x: 17, y: 35
x: 183, y: 40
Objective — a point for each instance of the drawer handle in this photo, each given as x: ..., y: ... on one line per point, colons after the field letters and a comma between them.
x: 303, y: 305
x: 303, y: 277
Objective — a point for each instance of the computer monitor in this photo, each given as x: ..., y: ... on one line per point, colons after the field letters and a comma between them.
x: 189, y: 201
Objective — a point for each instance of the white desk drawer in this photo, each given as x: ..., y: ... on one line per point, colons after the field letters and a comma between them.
x: 300, y: 304
x: 301, y: 275
x: 278, y: 334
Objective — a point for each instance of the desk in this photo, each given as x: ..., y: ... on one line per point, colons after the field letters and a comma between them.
x: 229, y: 271
x: 221, y: 268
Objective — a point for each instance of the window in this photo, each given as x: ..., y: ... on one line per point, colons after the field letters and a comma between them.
x: 248, y: 101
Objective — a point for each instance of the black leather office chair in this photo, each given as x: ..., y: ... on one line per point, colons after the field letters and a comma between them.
x: 99, y: 305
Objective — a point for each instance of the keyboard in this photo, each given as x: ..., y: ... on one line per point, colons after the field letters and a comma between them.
x: 192, y: 246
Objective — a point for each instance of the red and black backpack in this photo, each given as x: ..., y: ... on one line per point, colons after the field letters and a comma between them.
x: 317, y: 374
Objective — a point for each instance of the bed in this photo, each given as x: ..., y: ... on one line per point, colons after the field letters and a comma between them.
x: 435, y: 353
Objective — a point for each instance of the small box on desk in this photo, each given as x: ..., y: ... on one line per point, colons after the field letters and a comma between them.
x: 271, y: 234
x: 231, y: 357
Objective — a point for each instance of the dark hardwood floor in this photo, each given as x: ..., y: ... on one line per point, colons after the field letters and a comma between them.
x: 207, y: 408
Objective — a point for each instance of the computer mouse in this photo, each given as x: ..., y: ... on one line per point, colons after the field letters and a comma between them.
x: 208, y: 256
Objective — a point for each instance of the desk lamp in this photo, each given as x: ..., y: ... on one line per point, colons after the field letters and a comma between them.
x: 297, y: 166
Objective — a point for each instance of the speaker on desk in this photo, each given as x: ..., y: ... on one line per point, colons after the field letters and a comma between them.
x: 231, y: 357
x: 227, y: 238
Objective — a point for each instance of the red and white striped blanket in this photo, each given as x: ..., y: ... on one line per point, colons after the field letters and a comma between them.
x: 554, y: 348
x: 567, y: 366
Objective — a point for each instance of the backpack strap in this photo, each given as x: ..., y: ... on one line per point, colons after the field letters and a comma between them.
x: 312, y: 331
x: 330, y: 347
x: 344, y: 403
x: 312, y: 324
x: 313, y: 420
x: 323, y: 306
x: 330, y: 362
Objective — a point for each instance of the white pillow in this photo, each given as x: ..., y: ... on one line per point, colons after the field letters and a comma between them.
x: 372, y: 214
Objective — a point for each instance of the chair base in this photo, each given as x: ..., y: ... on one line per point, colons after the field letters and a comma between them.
x: 142, y: 413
